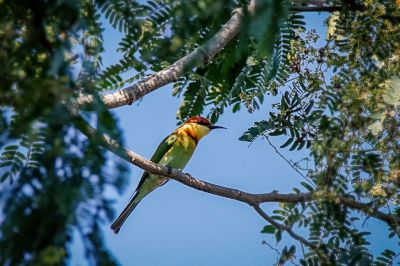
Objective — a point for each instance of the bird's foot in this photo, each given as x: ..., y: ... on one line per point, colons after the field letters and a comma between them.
x: 169, y: 169
x: 188, y: 175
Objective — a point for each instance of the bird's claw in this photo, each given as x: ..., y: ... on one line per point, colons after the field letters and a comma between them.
x: 169, y: 169
x: 188, y: 175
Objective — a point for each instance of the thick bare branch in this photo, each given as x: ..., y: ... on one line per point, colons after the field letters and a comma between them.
x: 200, y: 55
x: 253, y: 199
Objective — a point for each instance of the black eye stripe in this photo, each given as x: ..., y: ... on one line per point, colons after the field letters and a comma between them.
x: 203, y: 124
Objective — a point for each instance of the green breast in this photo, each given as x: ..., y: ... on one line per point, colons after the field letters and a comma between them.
x: 180, y: 153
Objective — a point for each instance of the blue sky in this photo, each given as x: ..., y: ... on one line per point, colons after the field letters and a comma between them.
x: 176, y: 225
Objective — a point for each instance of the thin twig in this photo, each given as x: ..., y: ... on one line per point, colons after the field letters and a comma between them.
x: 291, y: 260
x: 321, y: 253
x: 283, y: 227
x: 288, y: 162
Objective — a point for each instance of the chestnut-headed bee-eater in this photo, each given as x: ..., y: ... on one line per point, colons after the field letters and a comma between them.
x: 174, y: 151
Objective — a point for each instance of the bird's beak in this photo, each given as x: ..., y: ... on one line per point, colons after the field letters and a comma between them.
x: 214, y: 127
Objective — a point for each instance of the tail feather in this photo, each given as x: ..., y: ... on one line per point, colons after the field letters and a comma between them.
x: 117, y: 224
x: 146, y: 185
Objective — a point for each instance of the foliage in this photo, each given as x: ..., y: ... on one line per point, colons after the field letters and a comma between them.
x: 242, y: 73
x: 53, y: 180
x: 158, y: 36
x: 341, y: 105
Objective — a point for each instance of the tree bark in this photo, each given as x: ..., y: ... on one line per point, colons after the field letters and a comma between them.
x: 200, y: 55
x: 252, y: 199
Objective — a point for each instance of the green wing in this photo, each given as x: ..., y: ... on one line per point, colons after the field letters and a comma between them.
x: 162, y: 149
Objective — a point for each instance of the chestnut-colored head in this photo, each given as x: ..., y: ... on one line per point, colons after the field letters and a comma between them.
x: 198, y: 120
x: 197, y: 127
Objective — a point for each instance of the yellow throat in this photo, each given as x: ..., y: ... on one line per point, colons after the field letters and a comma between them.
x: 195, y: 131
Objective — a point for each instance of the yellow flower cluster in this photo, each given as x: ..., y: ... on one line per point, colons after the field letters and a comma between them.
x: 394, y: 176
x: 378, y: 191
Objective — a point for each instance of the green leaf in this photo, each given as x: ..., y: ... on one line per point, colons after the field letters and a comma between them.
x: 11, y: 148
x: 5, y: 163
x: 4, y: 176
x: 268, y: 229
x: 287, y: 143
x: 258, y: 129
x: 307, y: 186
x: 278, y: 235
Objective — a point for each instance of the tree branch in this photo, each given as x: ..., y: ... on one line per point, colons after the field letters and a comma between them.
x: 315, y: 8
x: 200, y: 55
x: 284, y: 227
x: 321, y: 253
x: 392, y: 220
x: 252, y: 199
x: 321, y: 6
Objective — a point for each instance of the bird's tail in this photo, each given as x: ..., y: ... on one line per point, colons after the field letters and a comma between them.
x: 116, y: 226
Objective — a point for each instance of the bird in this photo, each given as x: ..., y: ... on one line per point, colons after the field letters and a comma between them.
x: 174, y: 151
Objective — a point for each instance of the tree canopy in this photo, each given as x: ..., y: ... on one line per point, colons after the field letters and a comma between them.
x: 337, y: 101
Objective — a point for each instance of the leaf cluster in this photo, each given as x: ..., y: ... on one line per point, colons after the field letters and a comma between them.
x: 341, y: 106
x: 53, y: 179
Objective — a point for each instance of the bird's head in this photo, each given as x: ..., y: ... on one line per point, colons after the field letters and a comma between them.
x: 197, y: 127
